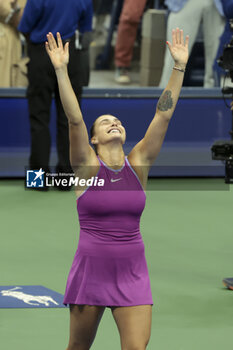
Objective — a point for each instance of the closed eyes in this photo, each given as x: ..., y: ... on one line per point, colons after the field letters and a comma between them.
x: 108, y: 121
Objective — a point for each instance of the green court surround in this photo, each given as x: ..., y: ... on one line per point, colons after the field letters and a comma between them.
x: 188, y: 236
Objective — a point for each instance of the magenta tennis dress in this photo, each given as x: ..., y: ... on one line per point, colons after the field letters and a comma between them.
x: 109, y: 266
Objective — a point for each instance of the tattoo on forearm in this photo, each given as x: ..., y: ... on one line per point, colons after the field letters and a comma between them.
x: 165, y: 102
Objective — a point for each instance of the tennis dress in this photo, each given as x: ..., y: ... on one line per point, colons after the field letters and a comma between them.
x: 109, y: 266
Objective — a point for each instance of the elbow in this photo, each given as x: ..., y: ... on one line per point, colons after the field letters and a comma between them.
x: 73, y: 123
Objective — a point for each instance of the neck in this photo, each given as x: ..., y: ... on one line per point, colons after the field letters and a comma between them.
x: 113, y: 157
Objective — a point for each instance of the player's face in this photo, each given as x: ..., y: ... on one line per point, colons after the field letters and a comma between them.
x: 108, y: 128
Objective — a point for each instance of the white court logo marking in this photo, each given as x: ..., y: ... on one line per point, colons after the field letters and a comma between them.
x: 27, y: 298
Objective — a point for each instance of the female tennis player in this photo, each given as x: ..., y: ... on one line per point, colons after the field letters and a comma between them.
x: 109, y: 268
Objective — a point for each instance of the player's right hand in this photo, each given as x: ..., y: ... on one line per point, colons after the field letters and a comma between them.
x: 58, y: 54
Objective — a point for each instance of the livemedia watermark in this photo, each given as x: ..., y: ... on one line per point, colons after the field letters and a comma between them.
x: 41, y: 179
x: 161, y: 178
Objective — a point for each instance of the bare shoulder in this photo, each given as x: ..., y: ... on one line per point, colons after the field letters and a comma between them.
x: 141, y: 169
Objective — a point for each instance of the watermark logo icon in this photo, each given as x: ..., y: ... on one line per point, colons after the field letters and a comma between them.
x: 35, y: 178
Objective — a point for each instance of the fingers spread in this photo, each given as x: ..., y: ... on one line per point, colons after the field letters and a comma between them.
x: 178, y: 41
x: 169, y: 44
x: 47, y: 47
x: 173, y: 37
x: 47, y: 43
x: 59, y: 41
x: 51, y: 41
x: 187, y: 41
x: 182, y: 37
x: 66, y: 47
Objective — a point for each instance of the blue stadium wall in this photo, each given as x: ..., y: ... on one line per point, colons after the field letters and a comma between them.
x: 201, y: 118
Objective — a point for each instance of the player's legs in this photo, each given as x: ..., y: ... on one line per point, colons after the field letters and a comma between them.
x: 134, y: 325
x: 84, y: 321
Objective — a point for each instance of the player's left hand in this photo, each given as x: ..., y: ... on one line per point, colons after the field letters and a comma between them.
x: 179, y: 47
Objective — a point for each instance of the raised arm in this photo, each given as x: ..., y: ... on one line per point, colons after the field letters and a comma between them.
x: 81, y: 152
x: 146, y: 151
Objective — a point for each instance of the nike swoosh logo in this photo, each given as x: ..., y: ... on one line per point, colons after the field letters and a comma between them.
x: 115, y: 180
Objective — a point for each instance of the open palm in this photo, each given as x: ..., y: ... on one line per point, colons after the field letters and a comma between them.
x: 179, y: 48
x: 58, y: 54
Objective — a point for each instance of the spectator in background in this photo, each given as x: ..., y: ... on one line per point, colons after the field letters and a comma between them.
x: 188, y: 14
x: 12, y: 65
x: 102, y: 6
x: 102, y: 10
x: 126, y: 34
x: 39, y: 18
x: 228, y: 8
x: 225, y: 39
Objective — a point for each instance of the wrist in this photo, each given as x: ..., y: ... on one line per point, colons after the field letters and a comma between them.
x: 181, y: 66
x: 61, y: 71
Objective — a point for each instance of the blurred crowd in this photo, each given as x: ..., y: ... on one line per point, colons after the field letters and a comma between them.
x: 117, y: 26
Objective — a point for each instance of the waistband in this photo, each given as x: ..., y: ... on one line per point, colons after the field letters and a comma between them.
x: 110, y: 249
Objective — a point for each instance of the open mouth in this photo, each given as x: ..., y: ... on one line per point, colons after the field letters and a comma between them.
x: 113, y: 131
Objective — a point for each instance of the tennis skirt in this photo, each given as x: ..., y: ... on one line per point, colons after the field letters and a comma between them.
x: 109, y: 274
